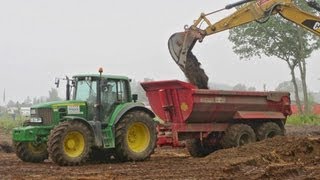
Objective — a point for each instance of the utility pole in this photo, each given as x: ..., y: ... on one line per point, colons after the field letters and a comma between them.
x: 4, y: 96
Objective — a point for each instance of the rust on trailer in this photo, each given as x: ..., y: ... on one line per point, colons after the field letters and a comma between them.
x: 258, y: 114
x: 198, y: 127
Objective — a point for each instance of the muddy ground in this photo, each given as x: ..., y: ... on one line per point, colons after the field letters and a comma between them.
x: 296, y: 156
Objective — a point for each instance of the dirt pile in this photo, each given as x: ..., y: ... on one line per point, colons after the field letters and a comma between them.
x: 6, y: 147
x: 280, y: 157
x: 194, y: 73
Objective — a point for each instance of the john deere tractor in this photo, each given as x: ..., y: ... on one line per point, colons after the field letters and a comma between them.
x: 102, y: 120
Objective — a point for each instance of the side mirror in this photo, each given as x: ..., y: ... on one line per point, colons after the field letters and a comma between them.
x: 134, y: 97
x: 57, y: 82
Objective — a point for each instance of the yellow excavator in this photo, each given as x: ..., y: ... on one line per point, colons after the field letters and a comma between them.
x: 180, y: 44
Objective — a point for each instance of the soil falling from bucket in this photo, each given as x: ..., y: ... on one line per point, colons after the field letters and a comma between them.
x: 194, y: 73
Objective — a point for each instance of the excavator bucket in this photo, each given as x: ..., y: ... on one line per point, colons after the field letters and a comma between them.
x: 180, y: 45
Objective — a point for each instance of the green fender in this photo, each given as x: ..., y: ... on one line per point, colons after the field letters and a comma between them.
x: 131, y: 107
x: 118, y: 113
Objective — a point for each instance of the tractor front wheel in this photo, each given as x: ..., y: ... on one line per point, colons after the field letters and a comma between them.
x: 136, y: 136
x: 70, y: 143
x: 31, y: 152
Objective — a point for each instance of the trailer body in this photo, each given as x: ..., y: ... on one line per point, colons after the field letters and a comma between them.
x: 189, y: 112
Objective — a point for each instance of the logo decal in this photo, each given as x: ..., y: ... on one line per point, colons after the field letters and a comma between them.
x: 74, y: 110
x: 316, y: 26
x: 184, y: 106
x: 312, y: 24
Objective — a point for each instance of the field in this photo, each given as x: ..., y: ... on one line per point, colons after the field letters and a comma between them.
x: 296, y: 156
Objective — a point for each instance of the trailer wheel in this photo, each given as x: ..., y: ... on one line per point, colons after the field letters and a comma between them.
x: 268, y: 130
x: 31, y: 152
x: 238, y: 135
x: 196, y: 148
x: 70, y: 143
x: 136, y: 136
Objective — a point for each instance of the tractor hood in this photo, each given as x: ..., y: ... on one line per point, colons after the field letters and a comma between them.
x: 52, y: 112
x: 55, y: 104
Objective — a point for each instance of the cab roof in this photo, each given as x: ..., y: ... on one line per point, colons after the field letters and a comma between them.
x: 105, y: 76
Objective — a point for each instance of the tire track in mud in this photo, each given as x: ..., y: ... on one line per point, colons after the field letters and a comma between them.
x: 279, y: 158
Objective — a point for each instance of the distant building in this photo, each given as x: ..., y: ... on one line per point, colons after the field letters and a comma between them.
x: 12, y: 110
x: 315, y: 109
x: 25, y: 111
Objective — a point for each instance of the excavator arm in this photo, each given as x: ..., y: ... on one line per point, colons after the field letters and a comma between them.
x: 180, y: 44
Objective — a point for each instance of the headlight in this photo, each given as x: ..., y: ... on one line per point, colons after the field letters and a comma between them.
x: 36, y: 120
x: 32, y: 111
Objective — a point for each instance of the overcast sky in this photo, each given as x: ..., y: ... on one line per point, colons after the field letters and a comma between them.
x: 44, y: 39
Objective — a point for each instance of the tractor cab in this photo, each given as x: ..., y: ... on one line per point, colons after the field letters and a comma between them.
x: 102, y: 93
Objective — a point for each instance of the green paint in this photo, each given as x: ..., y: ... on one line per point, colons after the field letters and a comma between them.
x: 36, y: 134
x: 52, y: 113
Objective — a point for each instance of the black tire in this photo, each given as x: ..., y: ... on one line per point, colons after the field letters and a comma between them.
x: 196, y: 148
x: 31, y: 152
x: 128, y: 141
x: 268, y: 130
x: 238, y: 135
x: 70, y: 143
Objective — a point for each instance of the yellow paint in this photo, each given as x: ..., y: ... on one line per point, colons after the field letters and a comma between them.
x: 184, y: 106
x: 36, y: 149
x: 138, y: 137
x: 66, y: 104
x: 73, y: 144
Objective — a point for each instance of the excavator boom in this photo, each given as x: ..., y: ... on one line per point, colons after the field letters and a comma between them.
x: 180, y: 44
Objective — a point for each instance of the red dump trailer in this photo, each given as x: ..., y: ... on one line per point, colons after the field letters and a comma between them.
x: 211, y: 119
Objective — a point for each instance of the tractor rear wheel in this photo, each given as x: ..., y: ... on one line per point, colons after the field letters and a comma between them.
x: 136, y: 136
x: 238, y: 135
x: 31, y: 152
x: 196, y: 148
x: 70, y: 143
x: 268, y: 130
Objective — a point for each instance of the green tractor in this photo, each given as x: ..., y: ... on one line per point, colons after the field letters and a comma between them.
x: 102, y: 120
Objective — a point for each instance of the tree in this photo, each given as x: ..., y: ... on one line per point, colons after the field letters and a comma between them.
x: 288, y: 86
x: 239, y: 87
x: 27, y: 102
x: 282, y: 39
x: 53, y: 95
x: 11, y: 104
x: 251, y: 89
